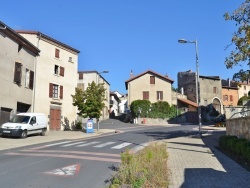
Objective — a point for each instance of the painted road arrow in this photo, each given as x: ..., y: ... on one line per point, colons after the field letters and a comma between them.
x: 66, y: 171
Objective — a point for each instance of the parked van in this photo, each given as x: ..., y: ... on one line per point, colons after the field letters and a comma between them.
x: 24, y: 124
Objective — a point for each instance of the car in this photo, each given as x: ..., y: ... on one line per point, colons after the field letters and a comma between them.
x: 24, y: 124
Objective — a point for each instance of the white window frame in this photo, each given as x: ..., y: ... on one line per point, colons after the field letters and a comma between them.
x: 27, y: 77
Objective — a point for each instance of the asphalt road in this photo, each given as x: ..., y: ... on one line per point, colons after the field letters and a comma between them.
x: 86, y: 163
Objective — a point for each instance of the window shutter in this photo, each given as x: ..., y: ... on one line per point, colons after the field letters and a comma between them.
x: 18, y: 73
x: 152, y: 80
x: 61, y: 92
x: 231, y: 97
x: 50, y: 90
x: 57, y: 51
x: 31, y: 80
x: 80, y: 76
x: 161, y: 95
x: 61, y: 71
x: 145, y: 95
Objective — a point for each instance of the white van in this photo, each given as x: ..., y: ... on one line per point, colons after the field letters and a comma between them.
x: 24, y: 124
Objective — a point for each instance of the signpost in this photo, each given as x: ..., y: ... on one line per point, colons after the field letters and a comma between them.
x: 89, y: 126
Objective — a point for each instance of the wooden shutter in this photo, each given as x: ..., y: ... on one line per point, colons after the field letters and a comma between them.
x: 61, y: 92
x: 31, y: 80
x: 145, y: 95
x: 61, y: 71
x: 231, y: 97
x: 161, y: 95
x: 50, y: 90
x: 18, y: 73
x: 152, y: 80
x: 57, y: 52
x: 80, y: 76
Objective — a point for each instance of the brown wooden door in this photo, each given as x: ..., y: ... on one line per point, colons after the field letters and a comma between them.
x: 55, y: 119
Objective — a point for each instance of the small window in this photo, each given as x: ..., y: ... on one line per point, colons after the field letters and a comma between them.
x: 18, y: 73
x: 56, y: 70
x: 55, y: 91
x: 215, y: 89
x: 225, y: 98
x: 80, y: 76
x: 152, y: 80
x: 70, y: 59
x: 57, y: 53
x: 145, y: 95
x: 231, y: 97
x: 27, y: 78
x: 159, y: 95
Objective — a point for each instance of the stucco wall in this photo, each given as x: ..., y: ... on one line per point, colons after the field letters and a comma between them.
x: 142, y: 83
x: 45, y: 75
x: 228, y: 92
x: 11, y: 93
x: 239, y: 127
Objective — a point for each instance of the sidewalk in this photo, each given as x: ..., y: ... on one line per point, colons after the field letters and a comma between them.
x: 195, y: 162
x: 11, y: 143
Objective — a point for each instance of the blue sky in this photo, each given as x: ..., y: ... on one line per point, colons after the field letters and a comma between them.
x: 124, y: 35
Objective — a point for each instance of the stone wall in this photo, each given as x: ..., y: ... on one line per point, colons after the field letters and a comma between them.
x: 239, y: 127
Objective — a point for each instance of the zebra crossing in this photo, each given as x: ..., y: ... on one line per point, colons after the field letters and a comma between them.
x: 94, y: 144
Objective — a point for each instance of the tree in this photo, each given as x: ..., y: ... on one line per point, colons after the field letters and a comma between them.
x: 241, y: 40
x: 91, y: 101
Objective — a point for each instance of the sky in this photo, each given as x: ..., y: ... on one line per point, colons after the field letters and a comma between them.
x: 138, y: 35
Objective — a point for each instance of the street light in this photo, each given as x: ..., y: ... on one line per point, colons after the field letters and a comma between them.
x: 183, y: 41
x: 99, y: 74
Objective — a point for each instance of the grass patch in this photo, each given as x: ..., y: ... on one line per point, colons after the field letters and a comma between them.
x: 145, y: 169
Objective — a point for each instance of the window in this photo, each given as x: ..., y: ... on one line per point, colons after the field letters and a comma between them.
x: 80, y: 86
x: 159, y: 95
x: 55, y: 91
x: 215, y: 90
x: 145, y: 95
x: 57, y: 53
x: 59, y: 70
x: 27, y: 78
x: 152, y: 80
x: 18, y: 73
x: 231, y: 97
x: 225, y: 98
x: 56, y: 69
x: 80, y: 76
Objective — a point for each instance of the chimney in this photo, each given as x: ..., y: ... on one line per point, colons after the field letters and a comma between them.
x: 228, y: 82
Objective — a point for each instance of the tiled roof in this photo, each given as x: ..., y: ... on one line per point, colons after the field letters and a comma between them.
x: 188, y: 102
x: 150, y: 72
x: 48, y: 38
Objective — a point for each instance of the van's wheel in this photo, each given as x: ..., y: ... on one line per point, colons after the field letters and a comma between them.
x: 43, y: 132
x: 24, y: 134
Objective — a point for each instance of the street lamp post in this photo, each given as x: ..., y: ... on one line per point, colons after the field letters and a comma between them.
x: 99, y: 73
x: 183, y: 41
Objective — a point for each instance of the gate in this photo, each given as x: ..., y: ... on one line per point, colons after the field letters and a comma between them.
x: 55, y: 119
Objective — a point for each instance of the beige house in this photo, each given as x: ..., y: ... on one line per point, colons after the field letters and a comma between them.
x: 151, y: 86
x: 243, y: 88
x: 17, y: 60
x: 55, y: 79
x: 87, y: 77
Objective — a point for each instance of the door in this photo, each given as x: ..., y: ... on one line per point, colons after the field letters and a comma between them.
x: 55, y: 119
x: 5, y: 115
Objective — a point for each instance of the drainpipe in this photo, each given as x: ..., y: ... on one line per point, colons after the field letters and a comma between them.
x: 35, y: 67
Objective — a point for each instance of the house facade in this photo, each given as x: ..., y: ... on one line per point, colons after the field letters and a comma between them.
x: 209, y: 86
x: 87, y: 77
x: 55, y: 79
x: 243, y: 88
x: 17, y: 69
x: 230, y: 94
x: 151, y: 86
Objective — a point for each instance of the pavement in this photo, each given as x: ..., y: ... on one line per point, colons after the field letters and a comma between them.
x: 194, y: 162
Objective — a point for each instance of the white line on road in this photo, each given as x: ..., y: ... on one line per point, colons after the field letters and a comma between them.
x: 87, y: 144
x: 73, y: 144
x: 104, y: 144
x: 121, y: 145
x: 58, y: 143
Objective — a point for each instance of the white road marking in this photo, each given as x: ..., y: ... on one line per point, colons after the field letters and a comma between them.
x: 121, y: 145
x: 87, y: 144
x: 104, y: 144
x: 58, y: 143
x: 72, y: 144
x: 66, y: 171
